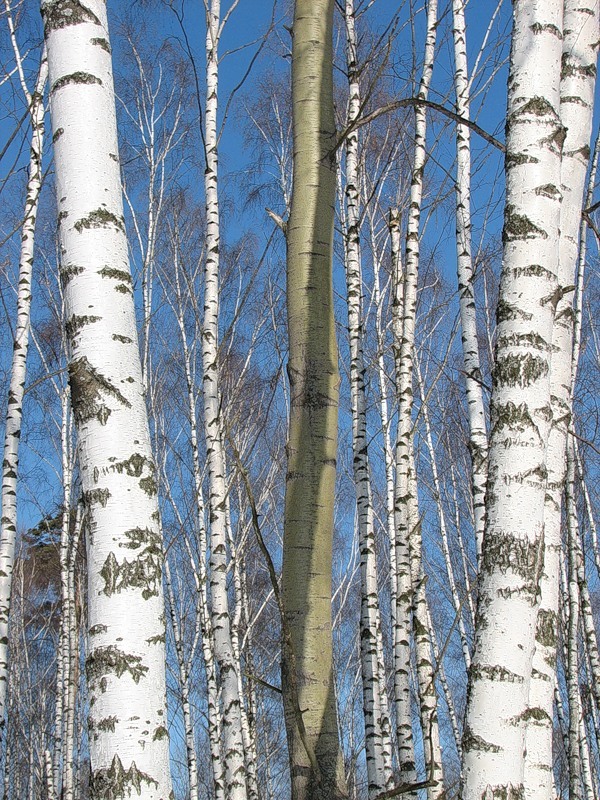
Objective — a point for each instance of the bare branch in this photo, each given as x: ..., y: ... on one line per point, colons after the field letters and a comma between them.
x: 411, y: 102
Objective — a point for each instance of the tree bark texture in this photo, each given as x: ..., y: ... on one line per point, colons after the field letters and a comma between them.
x: 16, y: 391
x: 228, y: 666
x: 512, y: 558
x: 307, y: 670
x: 125, y: 665
x: 378, y: 748
x: 578, y: 77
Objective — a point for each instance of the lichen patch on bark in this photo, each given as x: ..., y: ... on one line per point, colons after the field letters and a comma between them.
x: 74, y: 77
x: 110, y: 660
x: 100, y: 218
x: 88, y: 386
x: 63, y: 13
x: 116, y: 782
x: 143, y: 572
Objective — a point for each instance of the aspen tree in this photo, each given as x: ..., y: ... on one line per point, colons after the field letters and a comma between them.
x: 307, y: 661
x: 12, y: 431
x: 125, y: 665
x: 512, y: 557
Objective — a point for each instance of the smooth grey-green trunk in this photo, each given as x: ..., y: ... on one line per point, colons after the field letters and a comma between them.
x: 307, y: 674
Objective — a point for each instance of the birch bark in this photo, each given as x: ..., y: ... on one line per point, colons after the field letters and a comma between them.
x: 199, y: 571
x: 411, y: 600
x: 477, y: 420
x: 512, y: 558
x: 377, y: 741
x: 184, y: 684
x: 572, y: 642
x: 307, y: 669
x: 228, y: 667
x: 401, y: 583
x: 128, y: 740
x: 580, y: 41
x: 12, y: 432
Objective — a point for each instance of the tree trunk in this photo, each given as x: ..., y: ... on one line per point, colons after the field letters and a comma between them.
x: 12, y: 432
x: 228, y: 667
x: 411, y: 599
x: 307, y: 668
x: 468, y: 319
x: 512, y: 558
x: 125, y: 666
x: 580, y: 39
x: 377, y: 740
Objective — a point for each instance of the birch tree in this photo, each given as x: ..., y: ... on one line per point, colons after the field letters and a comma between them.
x: 512, y: 557
x: 126, y: 635
x: 468, y: 319
x: 12, y: 432
x: 307, y: 677
x: 377, y: 727
x: 411, y: 600
x: 580, y: 41
x: 233, y: 746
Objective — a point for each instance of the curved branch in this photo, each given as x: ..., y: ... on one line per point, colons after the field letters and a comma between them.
x: 411, y: 102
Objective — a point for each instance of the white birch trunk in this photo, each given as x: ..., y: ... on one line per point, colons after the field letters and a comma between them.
x: 199, y: 571
x: 248, y: 698
x: 577, y: 305
x: 411, y: 584
x: 384, y: 402
x: 423, y: 636
x: 247, y: 738
x: 190, y: 744
x: 128, y: 739
x: 49, y: 774
x: 572, y: 641
x: 437, y: 493
x: 72, y: 678
x: 233, y: 748
x: 401, y: 582
x: 580, y: 38
x: 65, y: 654
x: 12, y: 433
x: 468, y: 319
x: 512, y: 559
x: 377, y: 742
x: 463, y: 553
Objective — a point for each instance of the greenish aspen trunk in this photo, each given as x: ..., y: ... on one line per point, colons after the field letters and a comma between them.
x: 307, y: 670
